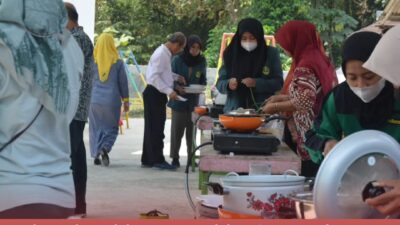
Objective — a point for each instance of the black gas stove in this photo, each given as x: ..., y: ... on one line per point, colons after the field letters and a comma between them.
x: 227, y: 141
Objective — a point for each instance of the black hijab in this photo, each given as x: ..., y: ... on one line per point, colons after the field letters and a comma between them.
x: 374, y: 114
x: 240, y: 63
x: 188, y: 58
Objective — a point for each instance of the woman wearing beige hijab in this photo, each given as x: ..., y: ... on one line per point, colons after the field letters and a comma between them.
x: 385, y: 61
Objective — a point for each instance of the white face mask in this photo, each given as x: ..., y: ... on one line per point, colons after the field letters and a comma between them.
x: 249, y: 45
x: 367, y: 94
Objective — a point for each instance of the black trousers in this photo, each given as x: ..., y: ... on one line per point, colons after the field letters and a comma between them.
x: 154, y: 123
x: 181, y: 123
x: 78, y: 166
x: 37, y: 211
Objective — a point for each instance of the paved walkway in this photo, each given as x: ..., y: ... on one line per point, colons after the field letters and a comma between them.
x: 124, y: 189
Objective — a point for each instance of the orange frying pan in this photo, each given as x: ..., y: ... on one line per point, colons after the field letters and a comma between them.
x: 243, y: 123
x: 201, y: 110
x: 246, y: 122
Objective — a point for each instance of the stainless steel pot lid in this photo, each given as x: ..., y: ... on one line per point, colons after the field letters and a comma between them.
x: 355, y: 161
x: 262, y: 180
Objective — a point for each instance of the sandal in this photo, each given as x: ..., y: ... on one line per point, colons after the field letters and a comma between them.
x: 154, y: 214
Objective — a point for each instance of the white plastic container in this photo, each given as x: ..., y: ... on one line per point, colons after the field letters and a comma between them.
x: 265, y: 195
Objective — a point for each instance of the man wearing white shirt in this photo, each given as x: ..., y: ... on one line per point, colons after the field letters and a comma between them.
x: 160, y: 85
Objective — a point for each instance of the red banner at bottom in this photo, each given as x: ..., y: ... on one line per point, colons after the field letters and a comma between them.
x: 198, y: 222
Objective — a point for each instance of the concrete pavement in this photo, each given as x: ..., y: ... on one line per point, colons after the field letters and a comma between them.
x: 124, y: 189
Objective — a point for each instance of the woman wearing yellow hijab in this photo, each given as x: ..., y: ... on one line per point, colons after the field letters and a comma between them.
x: 105, y: 55
x: 110, y: 88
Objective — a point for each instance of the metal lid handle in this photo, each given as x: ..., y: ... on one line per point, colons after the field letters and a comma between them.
x: 287, y: 172
x: 232, y: 174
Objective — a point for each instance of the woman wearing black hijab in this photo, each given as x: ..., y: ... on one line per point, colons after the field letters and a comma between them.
x: 192, y: 65
x: 251, y: 70
x: 364, y: 101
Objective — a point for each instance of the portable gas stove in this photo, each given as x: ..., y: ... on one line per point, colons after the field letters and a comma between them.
x: 227, y: 141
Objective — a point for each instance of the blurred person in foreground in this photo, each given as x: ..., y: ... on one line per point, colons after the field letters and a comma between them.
x: 384, y: 61
x: 40, y: 69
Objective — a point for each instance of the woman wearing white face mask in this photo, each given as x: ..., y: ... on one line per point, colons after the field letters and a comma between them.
x: 364, y: 101
x: 251, y: 70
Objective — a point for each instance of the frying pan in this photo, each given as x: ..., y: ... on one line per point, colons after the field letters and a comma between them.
x: 245, y: 122
x: 201, y: 110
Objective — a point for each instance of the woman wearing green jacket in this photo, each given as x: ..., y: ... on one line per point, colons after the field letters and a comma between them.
x: 364, y: 101
x: 251, y: 70
x: 192, y: 65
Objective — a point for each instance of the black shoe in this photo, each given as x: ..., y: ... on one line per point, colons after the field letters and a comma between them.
x: 105, y: 160
x: 175, y: 162
x: 97, y: 161
x: 164, y: 166
x: 146, y: 165
x: 79, y: 213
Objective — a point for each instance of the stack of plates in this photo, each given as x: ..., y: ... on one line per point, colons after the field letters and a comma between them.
x: 195, y: 89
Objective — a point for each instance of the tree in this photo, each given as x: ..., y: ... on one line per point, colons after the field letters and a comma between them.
x: 364, y: 11
x: 336, y: 19
x: 274, y: 13
x: 140, y: 26
x: 149, y: 22
x: 334, y: 25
